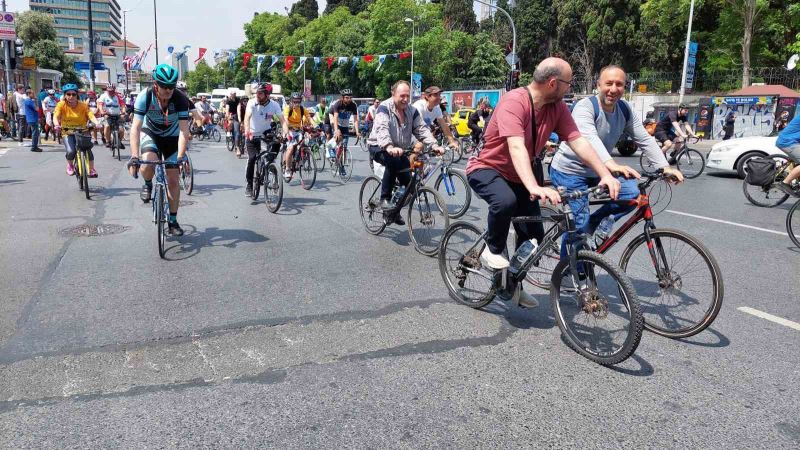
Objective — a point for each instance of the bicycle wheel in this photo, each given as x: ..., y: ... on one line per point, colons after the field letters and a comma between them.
x: 447, y: 156
x: 229, y: 142
x: 258, y: 178
x: 346, y: 162
x: 362, y: 143
x: 467, y: 281
x: 187, y: 175
x: 454, y: 189
x: 769, y: 196
x: 308, y: 169
x: 691, y: 163
x: 369, y: 205
x: 793, y: 223
x: 458, y: 152
x: 158, y: 208
x: 319, y: 157
x: 686, y: 298
x: 599, y: 316
x: 215, y: 135
x: 273, y: 187
x: 427, y: 220
x: 77, y: 166
x: 646, y: 164
x: 85, y: 173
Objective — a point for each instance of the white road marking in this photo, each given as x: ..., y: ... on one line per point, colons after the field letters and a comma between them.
x: 770, y: 317
x: 3, y: 151
x: 766, y: 230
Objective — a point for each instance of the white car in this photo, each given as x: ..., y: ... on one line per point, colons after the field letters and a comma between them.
x: 732, y: 155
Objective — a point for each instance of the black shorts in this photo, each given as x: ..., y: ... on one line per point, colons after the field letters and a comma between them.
x: 662, y: 136
x: 164, y: 146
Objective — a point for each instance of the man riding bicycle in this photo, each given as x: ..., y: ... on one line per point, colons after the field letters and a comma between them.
x: 320, y: 117
x: 503, y: 174
x: 297, y: 117
x: 111, y: 105
x: 341, y: 111
x: 204, y: 108
x: 73, y: 113
x: 789, y: 142
x: 398, y: 126
x: 672, y: 131
x: 258, y: 119
x: 602, y: 120
x: 232, y: 114
x: 49, y: 107
x: 482, y: 112
x: 432, y: 115
x: 160, y: 131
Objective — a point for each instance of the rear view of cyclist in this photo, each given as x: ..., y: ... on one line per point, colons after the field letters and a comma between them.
x: 160, y: 131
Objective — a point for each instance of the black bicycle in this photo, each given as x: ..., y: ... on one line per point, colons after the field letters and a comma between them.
x: 427, y: 217
x: 689, y: 161
x: 113, y: 124
x: 160, y: 200
x: 267, y: 173
x: 595, y: 304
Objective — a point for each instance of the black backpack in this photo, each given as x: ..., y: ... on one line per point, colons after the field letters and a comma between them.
x: 761, y: 171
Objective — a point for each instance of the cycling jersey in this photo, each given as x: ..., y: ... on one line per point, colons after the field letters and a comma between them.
x: 261, y: 116
x: 294, y: 115
x: 76, y: 117
x: 49, y: 104
x: 665, y: 124
x: 162, y: 122
x: 345, y: 112
x: 92, y: 103
x: 112, y: 104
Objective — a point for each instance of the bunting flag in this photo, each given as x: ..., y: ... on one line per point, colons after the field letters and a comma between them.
x: 404, y: 55
x: 259, y: 60
x: 342, y: 60
x: 302, y: 63
x: 368, y: 58
x: 316, y: 62
x: 200, y: 53
x: 275, y: 60
x: 170, y: 50
x: 246, y: 59
x: 329, y: 59
x: 287, y: 66
x: 381, y: 59
x: 356, y: 59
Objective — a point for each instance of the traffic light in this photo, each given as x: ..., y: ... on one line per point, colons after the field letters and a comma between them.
x: 512, y: 81
x: 19, y: 47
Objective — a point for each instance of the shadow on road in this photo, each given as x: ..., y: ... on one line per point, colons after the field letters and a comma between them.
x: 10, y: 182
x: 209, y: 189
x: 194, y: 240
x: 704, y: 340
x: 645, y: 368
x: 294, y: 206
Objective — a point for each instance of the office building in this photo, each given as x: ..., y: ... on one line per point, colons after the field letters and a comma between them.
x: 71, y: 19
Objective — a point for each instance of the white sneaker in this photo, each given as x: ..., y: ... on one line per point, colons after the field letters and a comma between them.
x: 287, y: 175
x: 526, y: 300
x: 493, y: 261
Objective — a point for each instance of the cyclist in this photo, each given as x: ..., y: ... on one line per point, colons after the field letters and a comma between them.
x: 602, y: 120
x: 204, y: 108
x: 432, y: 115
x: 48, y: 107
x: 672, y: 130
x: 111, y: 106
x: 160, y: 130
x: 341, y: 111
x: 296, y: 117
x: 73, y: 113
x: 789, y: 142
x: 258, y: 119
x: 481, y: 112
x: 232, y: 115
x: 91, y: 102
x: 502, y: 174
x: 398, y: 126
x: 370, y: 117
x: 320, y: 115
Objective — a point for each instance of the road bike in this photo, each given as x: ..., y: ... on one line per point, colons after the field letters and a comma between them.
x: 769, y: 195
x: 302, y: 163
x: 160, y: 200
x: 689, y: 161
x: 426, y: 215
x: 113, y: 124
x: 267, y: 173
x: 342, y: 161
x: 594, y: 301
x: 451, y: 184
x: 187, y: 174
x: 83, y: 147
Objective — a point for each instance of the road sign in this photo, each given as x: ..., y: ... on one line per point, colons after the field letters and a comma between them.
x: 512, y: 59
x: 8, y: 30
x: 28, y: 63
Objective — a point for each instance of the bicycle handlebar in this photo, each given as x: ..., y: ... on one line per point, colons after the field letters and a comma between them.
x: 574, y: 195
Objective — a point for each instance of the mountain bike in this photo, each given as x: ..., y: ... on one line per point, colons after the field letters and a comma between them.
x: 427, y: 216
x: 302, y: 163
x: 83, y: 145
x: 267, y: 173
x: 342, y: 161
x: 160, y: 200
x: 316, y: 143
x: 113, y: 123
x: 793, y: 223
x: 769, y: 196
x: 689, y: 161
x: 451, y: 184
x: 594, y: 301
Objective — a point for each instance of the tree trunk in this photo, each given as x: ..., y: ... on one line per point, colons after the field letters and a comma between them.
x: 747, y: 40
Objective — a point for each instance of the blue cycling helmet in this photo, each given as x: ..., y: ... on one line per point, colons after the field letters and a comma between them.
x: 165, y: 76
x: 69, y: 87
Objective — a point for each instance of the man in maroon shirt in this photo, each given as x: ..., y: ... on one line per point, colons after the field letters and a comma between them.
x: 503, y: 175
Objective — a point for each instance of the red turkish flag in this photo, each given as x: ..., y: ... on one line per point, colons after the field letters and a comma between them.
x: 201, y: 52
x: 289, y: 63
x: 330, y: 62
x: 246, y: 59
x: 368, y: 58
x: 404, y: 55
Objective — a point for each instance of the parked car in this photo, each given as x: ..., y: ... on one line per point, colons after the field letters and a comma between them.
x: 459, y: 121
x: 732, y: 155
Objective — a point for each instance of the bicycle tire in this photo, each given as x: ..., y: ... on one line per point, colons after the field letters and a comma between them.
x: 772, y: 196
x: 308, y: 168
x: 316, y: 152
x: 457, y: 240
x: 85, y: 174
x: 793, y: 223
x: 273, y: 187
x: 457, y: 152
x: 76, y: 166
x: 229, y: 143
x: 187, y: 175
x: 215, y: 134
x: 346, y: 162
x: 691, y: 163
x: 455, y: 208
x: 370, y: 207
x: 427, y: 209
x: 630, y: 307
x: 648, y: 284
x: 645, y: 163
x: 258, y: 177
x: 158, y: 208
x: 117, y: 142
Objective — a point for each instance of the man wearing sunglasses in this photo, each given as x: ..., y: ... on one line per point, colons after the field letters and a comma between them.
x: 160, y: 131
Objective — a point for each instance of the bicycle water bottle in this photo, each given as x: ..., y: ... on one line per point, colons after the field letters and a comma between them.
x: 603, y: 230
x: 522, y: 254
x: 398, y: 194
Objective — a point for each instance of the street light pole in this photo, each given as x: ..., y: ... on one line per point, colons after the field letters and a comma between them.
x: 413, y: 33
x: 513, y: 29
x: 7, y: 51
x: 155, y: 27
x: 91, y: 46
x: 304, y: 66
x: 686, y: 52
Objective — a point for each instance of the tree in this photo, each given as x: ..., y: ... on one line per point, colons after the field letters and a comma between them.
x: 459, y: 16
x: 37, y: 31
x: 535, y: 24
x: 202, y: 78
x: 750, y: 11
x: 487, y: 62
x: 355, y: 6
x: 306, y: 8
x: 34, y: 26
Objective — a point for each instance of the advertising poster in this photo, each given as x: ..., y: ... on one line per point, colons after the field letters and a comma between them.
x: 492, y: 96
x: 461, y: 100
x: 787, y: 107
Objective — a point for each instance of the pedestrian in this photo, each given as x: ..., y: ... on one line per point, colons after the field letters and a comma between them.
x: 22, y: 126
x: 31, y: 109
x: 730, y: 120
x: 11, y: 112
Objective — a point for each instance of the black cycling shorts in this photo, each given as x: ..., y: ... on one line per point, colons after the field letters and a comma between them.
x: 662, y: 136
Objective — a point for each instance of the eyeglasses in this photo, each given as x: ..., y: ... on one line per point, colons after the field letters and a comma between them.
x: 70, y: 94
x: 570, y: 83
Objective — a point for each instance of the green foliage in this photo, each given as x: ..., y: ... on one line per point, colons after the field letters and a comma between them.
x: 488, y: 62
x: 34, y: 26
x: 355, y: 6
x: 37, y: 31
x: 306, y: 8
x: 203, y: 78
x: 459, y: 16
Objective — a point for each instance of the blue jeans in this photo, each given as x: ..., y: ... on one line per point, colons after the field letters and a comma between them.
x: 34, y: 129
x: 584, y: 221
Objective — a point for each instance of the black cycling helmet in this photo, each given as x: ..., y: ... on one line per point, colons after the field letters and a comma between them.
x: 296, y: 96
x: 264, y: 87
x: 683, y: 106
x: 346, y: 92
x: 165, y: 76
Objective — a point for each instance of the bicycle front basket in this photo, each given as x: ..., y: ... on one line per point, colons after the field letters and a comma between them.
x: 83, y: 141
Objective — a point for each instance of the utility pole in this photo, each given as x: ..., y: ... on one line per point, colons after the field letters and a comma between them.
x: 125, y: 49
x: 7, y: 51
x: 155, y: 28
x: 686, y: 52
x: 91, y: 47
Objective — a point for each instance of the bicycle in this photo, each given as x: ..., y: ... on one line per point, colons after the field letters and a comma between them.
x: 187, y: 174
x: 769, y: 196
x: 426, y: 208
x: 316, y: 142
x: 593, y: 300
x: 83, y: 144
x: 267, y: 173
x: 793, y: 223
x: 160, y: 200
x: 302, y: 163
x: 451, y: 184
x: 689, y: 161
x: 342, y: 161
x: 113, y: 123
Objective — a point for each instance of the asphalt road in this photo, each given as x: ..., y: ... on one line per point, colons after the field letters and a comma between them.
x: 299, y: 329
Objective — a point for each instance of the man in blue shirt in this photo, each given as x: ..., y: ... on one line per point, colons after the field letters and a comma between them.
x: 789, y: 142
x: 32, y: 118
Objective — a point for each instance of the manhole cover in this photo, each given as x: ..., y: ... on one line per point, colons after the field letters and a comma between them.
x: 187, y: 203
x: 94, y: 230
